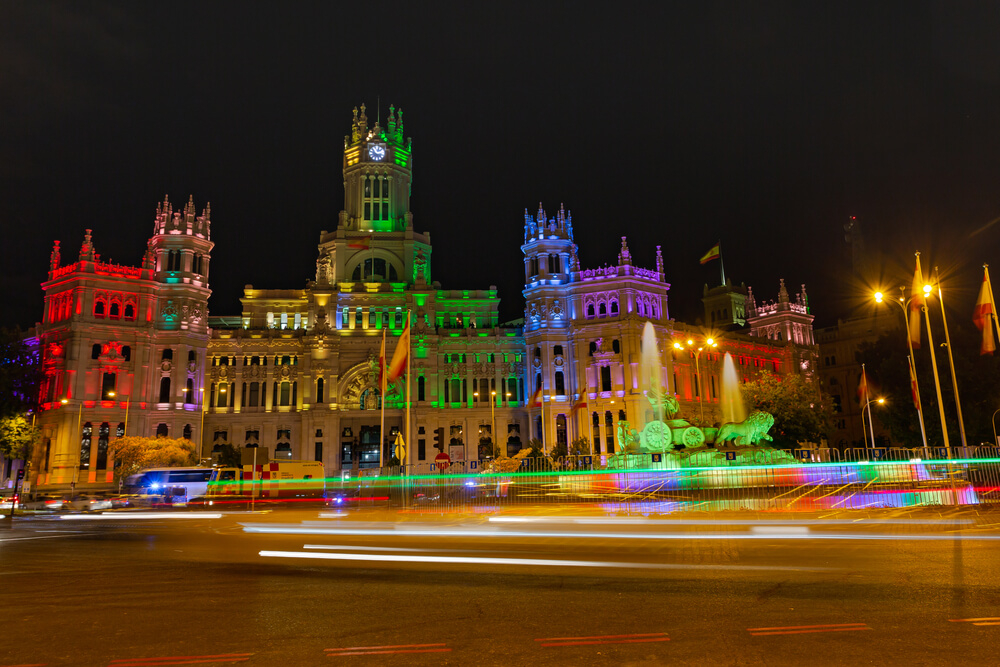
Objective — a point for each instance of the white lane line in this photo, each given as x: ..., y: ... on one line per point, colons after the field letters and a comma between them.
x: 41, y: 537
x: 474, y: 560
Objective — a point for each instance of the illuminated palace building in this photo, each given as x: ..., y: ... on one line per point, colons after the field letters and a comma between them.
x: 133, y: 349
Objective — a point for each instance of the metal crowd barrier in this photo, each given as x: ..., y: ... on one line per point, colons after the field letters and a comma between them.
x: 808, y: 479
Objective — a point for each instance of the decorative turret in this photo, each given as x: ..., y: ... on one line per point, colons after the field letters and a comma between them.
x: 624, y: 256
x: 87, y: 253
x: 659, y: 261
x: 54, y: 258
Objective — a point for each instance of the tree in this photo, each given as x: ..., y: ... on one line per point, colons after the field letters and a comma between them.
x: 580, y: 446
x: 20, y: 373
x: 133, y: 453
x: 799, y: 411
x: 978, y: 379
x: 230, y: 456
x: 17, y: 437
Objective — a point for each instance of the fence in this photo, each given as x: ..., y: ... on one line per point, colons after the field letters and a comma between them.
x: 807, y: 479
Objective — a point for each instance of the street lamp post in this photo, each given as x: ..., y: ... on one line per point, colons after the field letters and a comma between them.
x: 201, y: 429
x: 871, y: 423
x: 690, y: 345
x: 904, y: 304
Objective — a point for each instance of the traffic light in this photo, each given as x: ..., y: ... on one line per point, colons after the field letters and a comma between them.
x: 439, y: 438
x: 20, y: 474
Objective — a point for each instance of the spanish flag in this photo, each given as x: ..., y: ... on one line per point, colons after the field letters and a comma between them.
x: 982, y: 316
x: 363, y: 243
x: 580, y: 404
x: 536, y: 399
x: 916, y: 302
x: 713, y: 253
x: 398, y: 364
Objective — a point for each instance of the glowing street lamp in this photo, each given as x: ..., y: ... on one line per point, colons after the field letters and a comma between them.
x: 690, y: 345
x: 871, y: 424
x: 904, y: 304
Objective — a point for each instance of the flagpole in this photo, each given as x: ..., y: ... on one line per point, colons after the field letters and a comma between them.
x: 937, y: 378
x: 913, y: 371
x: 409, y: 349
x: 868, y: 401
x: 916, y: 397
x: 951, y: 360
x: 722, y: 267
x: 382, y: 374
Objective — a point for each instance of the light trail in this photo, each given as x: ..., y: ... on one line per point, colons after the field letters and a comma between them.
x: 721, y: 522
x: 534, y: 562
x: 472, y: 533
x: 111, y: 516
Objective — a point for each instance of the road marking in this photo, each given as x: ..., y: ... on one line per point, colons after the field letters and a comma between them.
x: 807, y: 629
x: 640, y: 638
x: 180, y: 660
x: 987, y: 620
x: 478, y: 560
x: 383, y: 650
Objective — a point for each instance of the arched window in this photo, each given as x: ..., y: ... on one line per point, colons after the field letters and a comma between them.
x: 593, y: 348
x: 609, y: 427
x: 538, y: 382
x: 120, y: 431
x: 641, y: 307
x: 621, y: 415
x: 187, y: 431
x: 95, y: 351
x: 189, y: 392
x: 161, y: 431
x: 319, y: 390
x: 614, y: 307
x: 421, y: 386
x: 590, y: 310
x: 165, y: 389
x: 115, y: 310
x: 560, y: 384
x: 616, y: 346
x: 85, y: 446
x: 129, y: 311
x: 99, y: 308
x: 127, y: 352
x: 167, y: 354
x: 602, y: 309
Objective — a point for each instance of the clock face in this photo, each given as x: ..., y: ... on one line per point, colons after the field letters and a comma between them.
x: 376, y: 152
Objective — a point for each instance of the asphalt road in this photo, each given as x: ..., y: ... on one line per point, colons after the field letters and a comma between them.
x: 307, y: 587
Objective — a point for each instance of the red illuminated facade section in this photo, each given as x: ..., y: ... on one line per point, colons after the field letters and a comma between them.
x: 123, y: 347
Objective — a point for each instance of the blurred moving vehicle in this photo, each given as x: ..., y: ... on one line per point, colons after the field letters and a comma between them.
x: 277, y: 480
x: 87, y: 502
x: 173, y: 486
x: 49, y: 501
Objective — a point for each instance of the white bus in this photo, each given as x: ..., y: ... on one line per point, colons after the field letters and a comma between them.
x: 176, y: 486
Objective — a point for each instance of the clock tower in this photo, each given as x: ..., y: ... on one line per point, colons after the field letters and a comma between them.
x: 377, y: 175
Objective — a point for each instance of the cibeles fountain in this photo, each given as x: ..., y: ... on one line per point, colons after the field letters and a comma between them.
x: 682, y: 443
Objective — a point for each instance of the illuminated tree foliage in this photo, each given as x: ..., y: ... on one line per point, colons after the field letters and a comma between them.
x: 799, y: 411
x: 17, y: 437
x: 20, y: 374
x: 132, y: 453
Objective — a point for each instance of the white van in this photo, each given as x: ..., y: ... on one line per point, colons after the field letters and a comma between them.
x: 175, y: 486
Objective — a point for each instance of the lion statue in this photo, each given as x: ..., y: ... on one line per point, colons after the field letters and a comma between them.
x: 749, y: 431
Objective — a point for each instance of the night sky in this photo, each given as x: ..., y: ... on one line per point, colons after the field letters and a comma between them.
x: 764, y: 125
